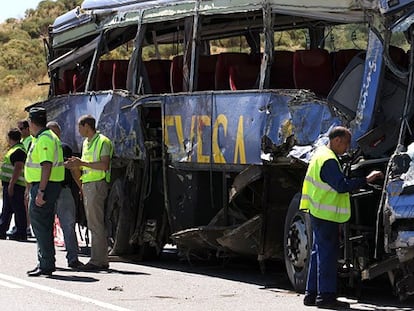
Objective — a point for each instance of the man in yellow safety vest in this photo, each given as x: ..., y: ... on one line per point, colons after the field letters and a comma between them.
x: 92, y: 171
x: 325, y: 195
x: 11, y: 175
x: 44, y: 172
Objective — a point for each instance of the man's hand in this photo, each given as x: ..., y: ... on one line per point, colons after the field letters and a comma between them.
x: 374, y: 175
x: 39, y: 199
x: 10, y: 190
x: 73, y: 162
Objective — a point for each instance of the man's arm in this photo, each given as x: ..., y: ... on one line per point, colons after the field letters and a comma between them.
x: 18, y: 167
x: 76, y: 174
x: 102, y: 165
x: 44, y: 179
x: 333, y: 176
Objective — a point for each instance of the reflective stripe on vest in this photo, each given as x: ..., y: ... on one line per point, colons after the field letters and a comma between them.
x: 7, y: 168
x: 92, y: 153
x: 33, y: 167
x: 318, y: 197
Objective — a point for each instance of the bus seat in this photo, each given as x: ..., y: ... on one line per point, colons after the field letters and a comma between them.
x: 73, y: 81
x: 159, y: 75
x: 244, y: 77
x: 341, y: 59
x: 224, y: 62
x: 206, y: 72
x: 281, y: 75
x: 119, y: 73
x: 312, y: 69
x: 104, y: 75
x: 65, y: 83
x: 176, y: 74
x: 79, y: 81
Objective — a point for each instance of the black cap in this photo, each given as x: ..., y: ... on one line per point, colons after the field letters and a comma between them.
x: 37, y: 114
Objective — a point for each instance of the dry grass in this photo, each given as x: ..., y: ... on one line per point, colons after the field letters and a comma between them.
x: 12, y: 108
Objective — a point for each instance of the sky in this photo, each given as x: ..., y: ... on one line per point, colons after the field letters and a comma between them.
x: 16, y: 8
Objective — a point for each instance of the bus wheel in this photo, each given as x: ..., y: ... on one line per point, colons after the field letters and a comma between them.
x: 297, y: 244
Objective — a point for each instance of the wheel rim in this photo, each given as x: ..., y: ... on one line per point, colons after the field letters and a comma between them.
x: 297, y: 241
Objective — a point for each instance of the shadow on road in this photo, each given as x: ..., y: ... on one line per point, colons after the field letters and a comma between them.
x: 372, y: 295
x: 73, y: 278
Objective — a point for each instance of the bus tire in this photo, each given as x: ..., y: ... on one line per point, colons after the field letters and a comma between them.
x: 297, y: 244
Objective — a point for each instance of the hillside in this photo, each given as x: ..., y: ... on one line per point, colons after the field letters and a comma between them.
x: 23, y: 61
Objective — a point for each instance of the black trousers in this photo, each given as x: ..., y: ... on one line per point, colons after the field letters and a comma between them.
x: 13, y: 205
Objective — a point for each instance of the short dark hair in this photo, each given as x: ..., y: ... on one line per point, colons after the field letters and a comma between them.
x: 339, y: 131
x: 14, y: 134
x: 37, y: 115
x: 88, y: 119
x: 24, y: 123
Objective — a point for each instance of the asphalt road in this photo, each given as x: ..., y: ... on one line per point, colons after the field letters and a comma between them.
x: 165, y: 284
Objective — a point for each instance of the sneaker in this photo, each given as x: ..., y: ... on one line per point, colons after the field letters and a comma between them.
x: 75, y: 264
x: 12, y: 231
x: 332, y: 304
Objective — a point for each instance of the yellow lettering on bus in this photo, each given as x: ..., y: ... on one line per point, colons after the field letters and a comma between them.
x: 168, y: 121
x: 192, y: 134
x: 217, y: 154
x: 179, y: 129
x: 202, y: 121
x: 174, y: 121
x: 239, y: 150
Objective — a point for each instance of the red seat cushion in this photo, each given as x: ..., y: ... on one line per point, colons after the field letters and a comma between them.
x: 224, y: 62
x: 312, y: 70
x: 281, y: 75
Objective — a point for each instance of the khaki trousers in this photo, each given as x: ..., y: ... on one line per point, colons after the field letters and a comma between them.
x: 94, y: 195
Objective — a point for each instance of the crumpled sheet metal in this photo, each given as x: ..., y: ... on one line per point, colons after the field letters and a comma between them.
x: 400, y: 206
x: 115, y: 116
x: 228, y: 127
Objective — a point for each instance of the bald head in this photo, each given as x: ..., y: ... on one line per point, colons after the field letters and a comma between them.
x: 339, y: 139
x: 55, y: 127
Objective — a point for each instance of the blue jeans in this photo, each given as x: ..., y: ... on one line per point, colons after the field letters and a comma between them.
x: 322, y: 272
x: 66, y: 212
x: 42, y: 219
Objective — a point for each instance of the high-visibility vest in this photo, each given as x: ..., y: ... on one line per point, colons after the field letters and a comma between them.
x: 91, y: 152
x: 26, y: 142
x: 7, y: 168
x: 318, y: 197
x: 33, y: 168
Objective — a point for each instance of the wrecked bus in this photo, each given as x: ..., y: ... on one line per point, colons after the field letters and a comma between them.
x: 212, y: 145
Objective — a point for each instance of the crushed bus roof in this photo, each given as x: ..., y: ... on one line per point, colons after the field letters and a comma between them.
x: 94, y: 17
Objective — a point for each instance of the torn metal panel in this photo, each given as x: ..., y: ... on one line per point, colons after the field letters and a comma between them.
x: 225, y: 128
x: 244, y: 179
x: 245, y: 239
x: 404, y: 239
x: 199, y: 238
x: 123, y: 127
x: 399, y: 205
x: 369, y: 90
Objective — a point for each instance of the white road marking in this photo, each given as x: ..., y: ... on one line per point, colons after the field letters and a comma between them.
x: 62, y: 293
x: 9, y: 285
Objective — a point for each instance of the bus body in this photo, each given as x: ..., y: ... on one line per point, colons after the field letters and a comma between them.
x: 211, y: 148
